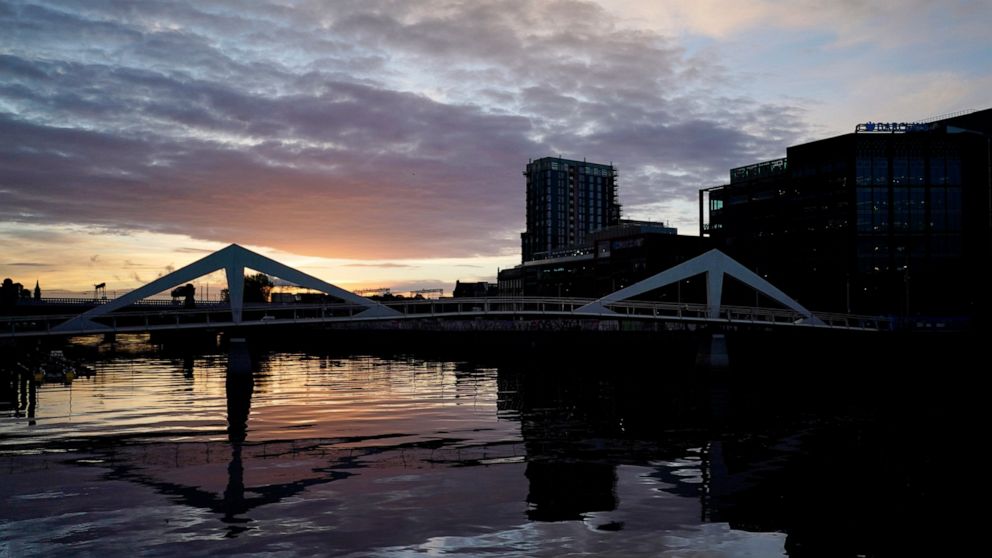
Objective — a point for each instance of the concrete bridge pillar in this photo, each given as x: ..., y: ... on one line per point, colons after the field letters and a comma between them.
x: 712, y: 353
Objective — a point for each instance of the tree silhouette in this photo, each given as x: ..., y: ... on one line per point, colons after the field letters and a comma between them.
x: 10, y: 292
x: 186, y: 292
x: 257, y: 288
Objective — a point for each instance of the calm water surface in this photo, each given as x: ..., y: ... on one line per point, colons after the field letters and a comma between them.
x: 308, y: 453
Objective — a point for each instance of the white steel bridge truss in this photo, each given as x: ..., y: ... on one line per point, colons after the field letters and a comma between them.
x: 233, y: 260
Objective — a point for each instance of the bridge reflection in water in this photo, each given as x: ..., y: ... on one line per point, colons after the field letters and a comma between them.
x: 640, y: 450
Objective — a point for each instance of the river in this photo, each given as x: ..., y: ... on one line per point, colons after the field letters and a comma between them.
x: 313, y: 452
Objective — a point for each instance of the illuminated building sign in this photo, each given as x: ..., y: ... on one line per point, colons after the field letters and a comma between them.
x: 893, y: 127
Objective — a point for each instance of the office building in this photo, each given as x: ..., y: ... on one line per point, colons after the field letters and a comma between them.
x: 893, y: 218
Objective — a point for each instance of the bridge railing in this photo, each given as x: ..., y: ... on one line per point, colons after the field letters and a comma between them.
x: 858, y: 321
x: 139, y: 318
x: 488, y: 305
x: 633, y: 308
x: 143, y: 319
x: 90, y: 301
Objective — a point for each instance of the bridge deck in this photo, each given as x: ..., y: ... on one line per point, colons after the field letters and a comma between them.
x: 495, y: 309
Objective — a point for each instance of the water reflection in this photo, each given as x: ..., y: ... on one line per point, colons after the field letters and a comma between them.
x: 240, y: 385
x: 580, y: 423
x: 839, y: 471
x: 552, y: 455
x: 563, y: 490
x: 19, y: 395
x: 188, y: 360
x: 236, y: 501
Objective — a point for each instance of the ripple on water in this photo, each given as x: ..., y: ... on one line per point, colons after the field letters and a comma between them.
x: 357, y: 456
x: 292, y: 396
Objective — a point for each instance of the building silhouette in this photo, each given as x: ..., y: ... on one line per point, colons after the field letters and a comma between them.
x: 610, y: 259
x: 893, y: 218
x: 469, y: 289
x: 576, y: 244
x: 566, y: 200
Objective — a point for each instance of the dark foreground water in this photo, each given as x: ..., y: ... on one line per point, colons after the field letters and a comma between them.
x: 313, y: 453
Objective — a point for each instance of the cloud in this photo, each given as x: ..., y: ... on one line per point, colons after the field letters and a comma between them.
x: 371, y: 130
x: 27, y: 264
x: 188, y: 250
x: 889, y: 22
x: 378, y: 265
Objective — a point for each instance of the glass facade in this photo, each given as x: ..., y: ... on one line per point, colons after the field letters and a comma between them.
x: 895, y: 223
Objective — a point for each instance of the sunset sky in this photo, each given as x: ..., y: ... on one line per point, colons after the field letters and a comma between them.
x: 381, y: 143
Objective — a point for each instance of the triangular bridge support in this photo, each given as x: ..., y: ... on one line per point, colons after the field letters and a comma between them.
x: 233, y: 260
x: 715, y: 264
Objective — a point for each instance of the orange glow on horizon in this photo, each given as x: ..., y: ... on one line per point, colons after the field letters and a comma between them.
x: 73, y: 259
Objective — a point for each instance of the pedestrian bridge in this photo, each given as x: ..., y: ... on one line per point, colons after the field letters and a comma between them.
x: 127, y: 314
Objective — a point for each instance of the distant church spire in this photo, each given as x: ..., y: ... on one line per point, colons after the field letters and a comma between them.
x: 37, y: 290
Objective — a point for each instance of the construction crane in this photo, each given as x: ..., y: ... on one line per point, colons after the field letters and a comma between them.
x: 373, y: 291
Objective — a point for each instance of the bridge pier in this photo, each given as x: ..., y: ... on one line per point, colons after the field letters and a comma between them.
x: 238, y: 357
x: 712, y: 353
